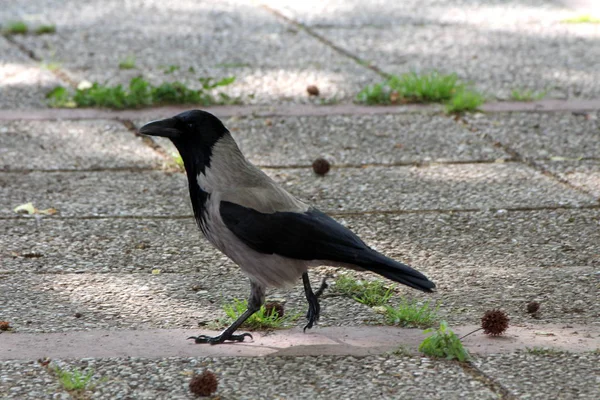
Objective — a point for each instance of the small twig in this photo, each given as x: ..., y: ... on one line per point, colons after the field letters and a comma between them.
x: 478, y: 329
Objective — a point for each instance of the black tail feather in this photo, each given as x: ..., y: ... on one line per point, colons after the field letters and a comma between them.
x: 396, y: 271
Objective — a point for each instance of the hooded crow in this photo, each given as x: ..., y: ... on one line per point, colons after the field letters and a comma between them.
x: 270, y: 234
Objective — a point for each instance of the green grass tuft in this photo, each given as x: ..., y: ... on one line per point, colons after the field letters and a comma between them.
x: 141, y: 93
x: 171, y: 68
x: 178, y: 160
x: 463, y: 101
x: 402, y: 351
x: 526, y: 95
x: 128, y: 63
x: 50, y: 65
x: 260, y: 320
x: 75, y: 379
x: 544, y: 351
x: 411, y: 314
x: 443, y: 343
x: 412, y: 88
x: 422, y: 88
x: 16, y: 28
x: 582, y: 19
x: 369, y: 293
x: 45, y: 29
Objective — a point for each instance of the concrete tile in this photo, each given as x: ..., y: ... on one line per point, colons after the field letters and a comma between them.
x: 583, y: 174
x: 322, y: 377
x: 543, y: 135
x: 514, y: 240
x: 271, y: 61
x: 24, y: 82
x: 131, y: 193
x: 357, y: 341
x: 50, y: 303
x: 468, y: 186
x: 496, y: 61
x: 499, y: 46
x: 548, y: 256
x: 559, y: 376
x: 97, y: 193
x: 432, y: 241
x: 359, y: 140
x: 50, y: 145
x: 28, y: 380
x: 354, y: 13
x: 566, y: 295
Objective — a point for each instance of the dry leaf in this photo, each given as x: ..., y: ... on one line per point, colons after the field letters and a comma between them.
x: 48, y: 211
x: 25, y: 209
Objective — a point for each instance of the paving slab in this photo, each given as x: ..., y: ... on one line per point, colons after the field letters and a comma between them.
x: 321, y: 377
x: 272, y: 61
x: 439, y: 187
x: 72, y: 145
x: 471, y: 39
x: 24, y: 81
x: 566, y: 295
x: 544, y: 135
x: 54, y: 303
x: 479, y: 56
x: 354, y: 13
x: 555, y: 376
x: 458, y: 240
x: 57, y: 303
x: 356, y: 341
x: 584, y: 174
x: 28, y: 380
x: 431, y: 187
x: 354, y: 140
x: 359, y: 139
x: 94, y: 193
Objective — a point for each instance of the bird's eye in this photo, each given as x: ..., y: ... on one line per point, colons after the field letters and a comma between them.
x: 190, y: 126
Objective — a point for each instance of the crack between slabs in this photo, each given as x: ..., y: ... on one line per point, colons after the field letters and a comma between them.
x: 164, y: 154
x: 327, y: 42
x: 496, y: 387
x: 148, y: 141
x: 333, y: 213
x: 269, y: 111
x: 515, y: 156
x: 31, y: 54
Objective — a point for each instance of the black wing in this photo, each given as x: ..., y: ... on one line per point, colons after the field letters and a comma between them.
x: 310, y: 235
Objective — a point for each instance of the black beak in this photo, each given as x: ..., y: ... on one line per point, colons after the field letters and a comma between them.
x: 163, y: 127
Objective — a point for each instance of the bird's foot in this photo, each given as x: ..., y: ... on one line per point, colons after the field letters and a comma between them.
x: 314, y: 308
x: 314, y: 311
x: 220, y: 338
x: 322, y: 288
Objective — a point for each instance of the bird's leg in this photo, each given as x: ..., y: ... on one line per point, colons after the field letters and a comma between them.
x: 314, y: 308
x: 255, y: 301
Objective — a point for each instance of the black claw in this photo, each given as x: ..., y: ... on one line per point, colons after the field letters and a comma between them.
x: 322, y: 288
x: 220, y: 339
x: 314, y: 311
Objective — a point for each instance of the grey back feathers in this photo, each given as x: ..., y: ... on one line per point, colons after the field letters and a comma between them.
x: 240, y: 182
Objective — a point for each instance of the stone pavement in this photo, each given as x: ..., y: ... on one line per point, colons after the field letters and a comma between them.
x: 498, y: 208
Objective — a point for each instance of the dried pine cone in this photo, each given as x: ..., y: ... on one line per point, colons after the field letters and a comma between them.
x: 312, y: 90
x: 321, y: 166
x: 494, y: 322
x: 274, y: 306
x: 204, y: 384
x: 533, y: 307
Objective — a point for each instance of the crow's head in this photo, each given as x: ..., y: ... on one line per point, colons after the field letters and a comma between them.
x: 193, y: 132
